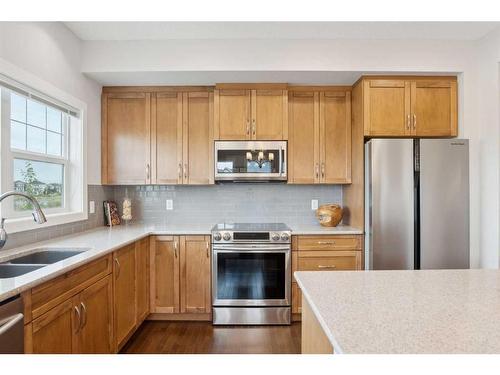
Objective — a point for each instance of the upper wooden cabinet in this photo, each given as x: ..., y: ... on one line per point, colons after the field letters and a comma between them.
x: 169, y: 133
x: 257, y: 113
x: 125, y: 132
x: 410, y: 106
x: 319, y: 137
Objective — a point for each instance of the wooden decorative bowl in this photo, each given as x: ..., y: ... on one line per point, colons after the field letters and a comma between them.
x: 329, y: 215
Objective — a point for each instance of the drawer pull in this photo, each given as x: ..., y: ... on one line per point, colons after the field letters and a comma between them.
x: 326, y: 242
x: 326, y: 267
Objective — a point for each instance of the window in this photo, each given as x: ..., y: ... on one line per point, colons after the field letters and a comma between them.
x: 42, y: 155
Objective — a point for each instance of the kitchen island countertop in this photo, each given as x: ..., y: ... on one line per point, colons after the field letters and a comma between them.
x: 424, y: 311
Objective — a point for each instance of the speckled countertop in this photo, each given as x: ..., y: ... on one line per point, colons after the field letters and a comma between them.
x: 427, y: 311
x: 103, y: 240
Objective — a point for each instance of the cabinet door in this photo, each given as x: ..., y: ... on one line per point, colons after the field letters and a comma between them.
x: 124, y: 293
x: 142, y: 278
x: 195, y: 274
x: 269, y: 115
x: 96, y: 334
x: 198, y: 138
x: 164, y: 268
x: 303, y: 134
x: 387, y: 108
x: 126, y: 138
x: 335, y: 137
x: 232, y: 114
x: 434, y: 108
x: 166, y: 139
x: 55, y: 331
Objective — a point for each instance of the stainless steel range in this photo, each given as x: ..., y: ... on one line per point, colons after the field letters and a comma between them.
x: 251, y: 273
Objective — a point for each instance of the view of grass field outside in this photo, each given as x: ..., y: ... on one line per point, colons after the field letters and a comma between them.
x: 42, y: 180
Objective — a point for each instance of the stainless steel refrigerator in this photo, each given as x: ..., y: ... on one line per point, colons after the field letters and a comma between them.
x: 416, y: 204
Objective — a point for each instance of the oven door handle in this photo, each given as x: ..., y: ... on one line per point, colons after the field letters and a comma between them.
x: 240, y: 249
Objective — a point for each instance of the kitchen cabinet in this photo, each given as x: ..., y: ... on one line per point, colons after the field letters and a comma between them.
x: 410, y: 107
x: 319, y: 137
x: 323, y: 253
x: 82, y: 324
x: 260, y: 113
x: 180, y: 276
x: 125, y: 132
x: 125, y: 315
x: 195, y: 274
x: 164, y: 269
x: 142, y: 279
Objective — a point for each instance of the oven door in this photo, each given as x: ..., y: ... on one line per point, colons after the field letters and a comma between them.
x: 250, y: 160
x: 256, y: 275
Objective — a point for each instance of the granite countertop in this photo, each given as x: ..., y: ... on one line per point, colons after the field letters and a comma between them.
x: 425, y: 311
x: 101, y: 241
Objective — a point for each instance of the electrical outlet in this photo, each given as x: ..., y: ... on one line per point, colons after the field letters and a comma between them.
x: 92, y: 207
x: 314, y: 204
x: 170, y: 204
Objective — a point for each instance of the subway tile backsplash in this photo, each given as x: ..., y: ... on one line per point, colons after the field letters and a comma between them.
x: 264, y: 202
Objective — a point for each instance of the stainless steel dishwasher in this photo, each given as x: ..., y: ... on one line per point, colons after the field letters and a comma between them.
x: 12, y: 326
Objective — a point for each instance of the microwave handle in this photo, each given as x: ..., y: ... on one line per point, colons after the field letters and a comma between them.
x: 282, y: 162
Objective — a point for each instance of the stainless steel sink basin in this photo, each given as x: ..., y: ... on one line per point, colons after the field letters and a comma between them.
x: 14, y: 270
x: 45, y: 257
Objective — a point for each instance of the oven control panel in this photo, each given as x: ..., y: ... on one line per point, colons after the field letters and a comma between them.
x: 259, y: 237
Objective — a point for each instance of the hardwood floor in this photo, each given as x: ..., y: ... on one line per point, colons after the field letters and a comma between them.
x: 155, y: 337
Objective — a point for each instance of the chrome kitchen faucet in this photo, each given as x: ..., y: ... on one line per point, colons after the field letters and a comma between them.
x: 37, y: 213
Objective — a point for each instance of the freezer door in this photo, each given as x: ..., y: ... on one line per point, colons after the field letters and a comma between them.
x: 444, y: 203
x: 389, y: 204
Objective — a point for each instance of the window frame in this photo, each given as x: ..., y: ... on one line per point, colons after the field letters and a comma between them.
x: 75, y: 165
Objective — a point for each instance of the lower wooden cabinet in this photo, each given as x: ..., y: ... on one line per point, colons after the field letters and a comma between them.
x: 142, y: 279
x: 82, y: 324
x: 180, y: 275
x: 124, y: 293
x: 323, y: 253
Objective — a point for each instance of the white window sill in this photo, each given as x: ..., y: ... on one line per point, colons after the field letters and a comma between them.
x: 27, y: 223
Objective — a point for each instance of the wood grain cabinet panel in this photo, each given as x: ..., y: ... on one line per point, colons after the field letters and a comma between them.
x: 198, y: 138
x: 232, y: 114
x: 166, y: 140
x: 125, y: 132
x: 142, y: 278
x: 296, y: 299
x: 335, y: 136
x: 95, y: 335
x: 164, y: 270
x: 269, y: 115
x: 303, y: 137
x: 124, y: 293
x: 195, y: 274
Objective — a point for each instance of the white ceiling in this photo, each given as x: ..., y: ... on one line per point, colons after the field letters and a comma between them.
x: 94, y: 31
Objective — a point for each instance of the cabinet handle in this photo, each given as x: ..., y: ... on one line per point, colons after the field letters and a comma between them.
x: 147, y: 172
x: 317, y: 170
x: 79, y: 316
x: 208, y: 254
x: 179, y: 170
x: 248, y: 127
x: 323, y: 171
x: 117, y: 267
x: 175, y: 249
x: 326, y: 267
x: 84, y: 315
x: 408, y: 122
x: 414, y: 121
x: 254, y: 126
x: 185, y: 171
x: 326, y: 242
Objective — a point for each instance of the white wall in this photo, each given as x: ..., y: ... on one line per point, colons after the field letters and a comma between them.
x: 53, y: 53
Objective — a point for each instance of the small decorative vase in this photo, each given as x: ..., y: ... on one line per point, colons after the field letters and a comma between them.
x: 127, y: 209
x: 329, y: 215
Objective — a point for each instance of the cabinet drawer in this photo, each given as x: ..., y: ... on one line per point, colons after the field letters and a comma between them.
x: 46, y: 296
x: 328, y: 242
x: 329, y: 260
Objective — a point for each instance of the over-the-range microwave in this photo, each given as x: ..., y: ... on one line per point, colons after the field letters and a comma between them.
x: 260, y: 161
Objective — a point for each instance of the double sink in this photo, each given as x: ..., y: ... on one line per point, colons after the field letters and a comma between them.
x: 37, y: 259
